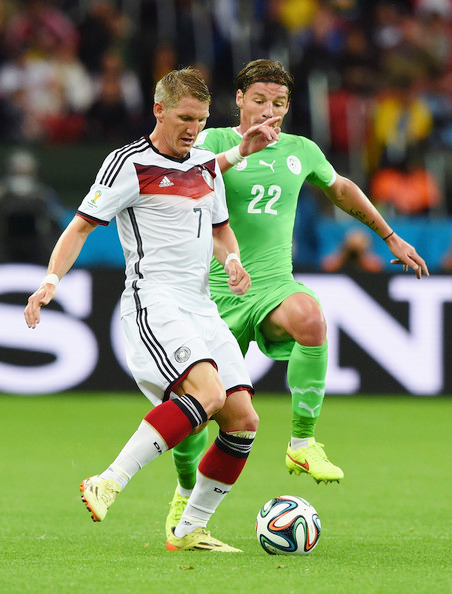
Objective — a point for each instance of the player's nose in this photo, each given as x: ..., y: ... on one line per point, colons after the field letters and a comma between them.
x: 268, y: 110
x: 193, y: 129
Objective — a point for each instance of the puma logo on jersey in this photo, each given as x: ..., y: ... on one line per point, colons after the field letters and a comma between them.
x: 261, y: 162
x: 165, y: 183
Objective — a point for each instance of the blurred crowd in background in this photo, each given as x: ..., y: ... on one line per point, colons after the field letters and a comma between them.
x: 373, y: 80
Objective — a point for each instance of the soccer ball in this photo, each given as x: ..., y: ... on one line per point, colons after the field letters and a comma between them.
x: 288, y: 525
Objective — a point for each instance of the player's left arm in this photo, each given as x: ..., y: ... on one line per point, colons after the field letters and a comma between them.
x: 226, y: 251
x: 351, y: 199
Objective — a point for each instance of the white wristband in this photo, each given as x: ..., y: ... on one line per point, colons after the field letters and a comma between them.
x: 233, y: 155
x: 231, y: 256
x: 52, y: 279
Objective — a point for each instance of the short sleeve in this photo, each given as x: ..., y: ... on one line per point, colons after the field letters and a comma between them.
x: 103, y: 202
x: 220, y: 214
x: 322, y: 172
x: 208, y: 139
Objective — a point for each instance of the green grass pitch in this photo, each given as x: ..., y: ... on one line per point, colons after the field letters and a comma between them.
x: 385, y: 529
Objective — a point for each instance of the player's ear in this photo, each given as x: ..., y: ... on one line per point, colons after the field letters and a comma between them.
x: 239, y: 98
x: 159, y: 111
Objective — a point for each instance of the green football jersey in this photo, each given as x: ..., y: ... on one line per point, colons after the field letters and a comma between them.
x: 262, y: 193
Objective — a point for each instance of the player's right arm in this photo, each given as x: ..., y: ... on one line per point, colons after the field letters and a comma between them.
x: 64, y: 254
x: 255, y: 139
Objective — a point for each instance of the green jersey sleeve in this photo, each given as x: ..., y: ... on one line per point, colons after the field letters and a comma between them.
x: 216, y: 140
x: 321, y: 171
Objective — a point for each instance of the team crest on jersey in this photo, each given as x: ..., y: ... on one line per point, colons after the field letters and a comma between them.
x: 241, y: 165
x: 294, y: 164
x: 182, y: 354
x: 207, y: 178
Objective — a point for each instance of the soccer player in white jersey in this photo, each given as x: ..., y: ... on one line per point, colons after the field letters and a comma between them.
x: 169, y: 202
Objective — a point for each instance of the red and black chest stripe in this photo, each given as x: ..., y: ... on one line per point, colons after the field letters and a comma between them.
x: 195, y: 183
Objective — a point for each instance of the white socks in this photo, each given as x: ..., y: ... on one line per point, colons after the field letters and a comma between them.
x: 211, y: 493
x: 184, y: 492
x: 144, y: 445
x: 299, y: 442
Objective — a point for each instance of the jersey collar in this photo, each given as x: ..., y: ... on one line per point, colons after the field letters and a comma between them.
x: 176, y: 159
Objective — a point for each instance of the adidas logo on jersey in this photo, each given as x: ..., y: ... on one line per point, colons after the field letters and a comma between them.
x: 165, y: 183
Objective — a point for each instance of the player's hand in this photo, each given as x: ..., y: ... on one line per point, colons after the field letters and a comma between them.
x: 259, y: 136
x: 406, y: 255
x: 43, y: 296
x: 239, y: 280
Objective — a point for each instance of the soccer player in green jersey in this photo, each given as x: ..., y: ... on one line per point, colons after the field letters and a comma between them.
x: 283, y: 316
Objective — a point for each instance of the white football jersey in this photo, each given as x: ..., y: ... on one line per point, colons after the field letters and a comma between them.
x: 165, y: 209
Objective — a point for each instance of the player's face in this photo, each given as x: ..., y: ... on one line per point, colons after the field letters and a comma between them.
x: 179, y: 126
x: 261, y: 101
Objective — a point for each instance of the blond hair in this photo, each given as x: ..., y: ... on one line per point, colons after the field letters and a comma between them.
x: 181, y: 83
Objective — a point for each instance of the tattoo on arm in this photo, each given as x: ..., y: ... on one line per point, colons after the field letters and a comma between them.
x: 361, y: 216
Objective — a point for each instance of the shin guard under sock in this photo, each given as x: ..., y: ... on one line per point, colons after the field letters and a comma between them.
x: 306, y: 373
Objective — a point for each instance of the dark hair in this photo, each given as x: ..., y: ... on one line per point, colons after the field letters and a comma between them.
x: 264, y: 71
x: 181, y: 83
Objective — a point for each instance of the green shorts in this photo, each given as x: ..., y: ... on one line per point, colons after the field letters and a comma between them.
x: 244, y: 314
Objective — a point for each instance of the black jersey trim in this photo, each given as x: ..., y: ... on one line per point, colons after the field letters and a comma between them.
x: 83, y: 215
x: 119, y: 158
x: 220, y: 224
x: 175, y: 159
x: 240, y: 388
x: 183, y: 375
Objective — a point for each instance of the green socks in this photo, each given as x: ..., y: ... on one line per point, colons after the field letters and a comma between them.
x: 186, y: 456
x: 306, y: 374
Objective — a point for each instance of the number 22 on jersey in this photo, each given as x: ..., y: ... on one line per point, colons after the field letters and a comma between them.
x: 256, y: 204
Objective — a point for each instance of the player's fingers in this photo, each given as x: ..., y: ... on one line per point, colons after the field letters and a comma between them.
x: 421, y: 263
x: 272, y: 133
x: 239, y: 289
x: 268, y: 124
x: 231, y: 271
x: 241, y: 284
x: 268, y: 133
x: 32, y: 315
x: 272, y: 121
x: 418, y: 265
x: 40, y: 298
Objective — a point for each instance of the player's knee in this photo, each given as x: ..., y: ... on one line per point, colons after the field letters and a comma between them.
x: 214, y: 399
x: 244, y: 420
x: 250, y: 422
x: 315, y: 328
x: 311, y: 327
